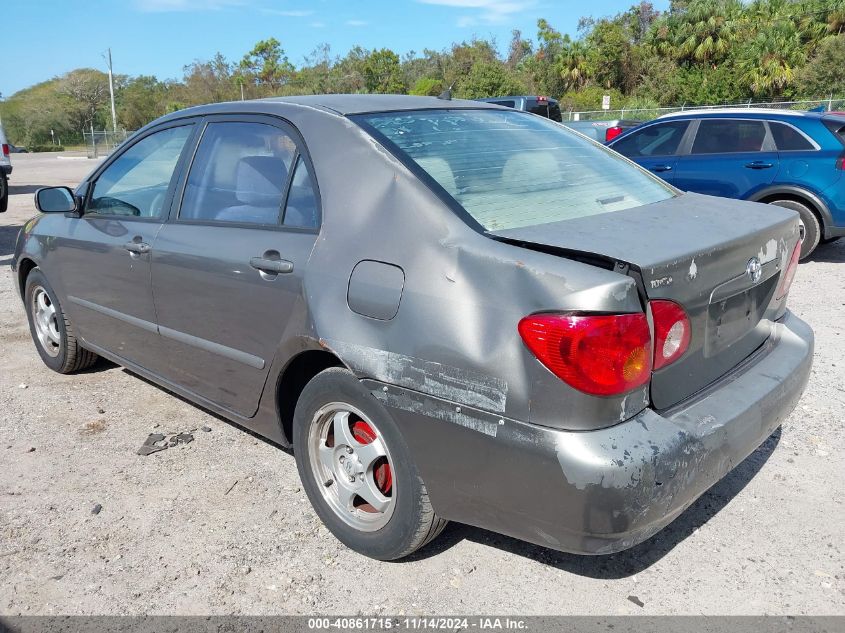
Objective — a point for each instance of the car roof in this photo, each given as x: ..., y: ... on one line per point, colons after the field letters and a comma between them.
x: 490, y: 99
x: 340, y: 104
x: 754, y: 112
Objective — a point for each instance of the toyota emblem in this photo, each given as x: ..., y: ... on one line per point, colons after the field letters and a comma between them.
x: 754, y: 269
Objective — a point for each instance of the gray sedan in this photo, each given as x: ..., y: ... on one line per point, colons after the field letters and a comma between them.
x: 450, y: 310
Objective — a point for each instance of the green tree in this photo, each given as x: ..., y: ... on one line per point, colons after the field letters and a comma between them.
x: 268, y: 64
x: 768, y: 62
x: 382, y: 72
x: 141, y: 100
x: 427, y: 87
x: 489, y: 79
x: 86, y: 92
x: 824, y: 74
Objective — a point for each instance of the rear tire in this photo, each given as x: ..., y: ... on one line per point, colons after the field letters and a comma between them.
x: 4, y: 194
x: 812, y: 226
x: 52, y: 332
x: 338, y: 426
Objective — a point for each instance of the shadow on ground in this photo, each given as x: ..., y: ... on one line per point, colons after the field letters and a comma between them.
x: 832, y: 252
x: 24, y: 189
x: 8, y: 235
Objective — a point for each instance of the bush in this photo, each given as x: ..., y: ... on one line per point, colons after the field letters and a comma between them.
x: 46, y: 148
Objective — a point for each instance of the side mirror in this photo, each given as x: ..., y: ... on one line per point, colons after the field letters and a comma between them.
x: 55, y: 200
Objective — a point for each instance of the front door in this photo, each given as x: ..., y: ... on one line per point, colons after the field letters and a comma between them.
x: 106, y: 252
x: 227, y: 271
x: 731, y: 158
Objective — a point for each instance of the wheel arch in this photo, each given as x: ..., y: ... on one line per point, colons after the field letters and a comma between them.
x: 798, y: 194
x: 298, y: 372
x: 25, y: 266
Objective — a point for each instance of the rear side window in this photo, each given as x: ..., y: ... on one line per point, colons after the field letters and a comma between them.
x: 836, y: 127
x: 717, y: 136
x: 239, y: 174
x: 301, y: 209
x: 509, y: 169
x: 788, y: 139
x: 661, y: 139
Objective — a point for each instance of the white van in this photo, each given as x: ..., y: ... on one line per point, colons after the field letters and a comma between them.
x: 5, y: 170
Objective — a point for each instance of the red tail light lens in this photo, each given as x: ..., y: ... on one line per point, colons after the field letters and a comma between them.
x: 5, y: 149
x: 611, y: 133
x: 840, y: 162
x: 789, y: 274
x: 603, y: 355
x: 671, y: 332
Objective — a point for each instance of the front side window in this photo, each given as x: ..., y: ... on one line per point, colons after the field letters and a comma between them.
x: 510, y: 169
x: 717, y: 136
x: 661, y: 139
x: 136, y: 183
x: 788, y: 139
x: 239, y: 174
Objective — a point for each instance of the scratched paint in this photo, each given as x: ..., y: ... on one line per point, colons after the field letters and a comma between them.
x: 437, y: 379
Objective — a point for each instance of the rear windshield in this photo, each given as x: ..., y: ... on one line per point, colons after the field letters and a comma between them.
x: 511, y: 169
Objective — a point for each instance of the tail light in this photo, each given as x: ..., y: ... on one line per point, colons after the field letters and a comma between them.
x: 789, y: 274
x: 602, y: 355
x: 840, y: 162
x: 671, y: 332
x: 612, y: 132
x: 5, y: 149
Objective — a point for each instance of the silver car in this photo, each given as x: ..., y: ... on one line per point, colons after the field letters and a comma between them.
x: 451, y: 310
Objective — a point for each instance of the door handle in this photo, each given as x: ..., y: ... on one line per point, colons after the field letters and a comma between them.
x: 659, y: 168
x: 759, y: 164
x: 137, y: 248
x: 271, y: 266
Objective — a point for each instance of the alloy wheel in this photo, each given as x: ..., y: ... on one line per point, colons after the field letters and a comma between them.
x: 352, y: 465
x: 46, y: 322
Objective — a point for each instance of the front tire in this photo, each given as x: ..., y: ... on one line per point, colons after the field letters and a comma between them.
x: 811, y: 224
x: 4, y: 193
x: 357, y: 470
x: 52, y: 332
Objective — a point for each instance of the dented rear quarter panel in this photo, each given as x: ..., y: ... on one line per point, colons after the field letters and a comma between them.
x: 455, y: 332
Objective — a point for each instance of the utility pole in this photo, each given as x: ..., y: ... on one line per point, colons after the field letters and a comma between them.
x: 111, y: 92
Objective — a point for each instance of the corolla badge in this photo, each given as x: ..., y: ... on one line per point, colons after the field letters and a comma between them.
x: 754, y: 269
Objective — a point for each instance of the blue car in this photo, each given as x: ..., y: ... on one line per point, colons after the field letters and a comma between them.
x: 791, y: 159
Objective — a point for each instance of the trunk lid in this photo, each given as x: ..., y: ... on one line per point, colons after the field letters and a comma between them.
x: 695, y: 250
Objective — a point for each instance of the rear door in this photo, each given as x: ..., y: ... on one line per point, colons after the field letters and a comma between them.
x: 731, y: 158
x: 655, y: 147
x: 227, y: 270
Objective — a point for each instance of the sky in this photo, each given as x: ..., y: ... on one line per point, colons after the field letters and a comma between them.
x: 46, y: 38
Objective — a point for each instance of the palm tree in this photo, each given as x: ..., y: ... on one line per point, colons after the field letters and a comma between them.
x: 770, y: 59
x: 573, y: 63
x: 708, y: 30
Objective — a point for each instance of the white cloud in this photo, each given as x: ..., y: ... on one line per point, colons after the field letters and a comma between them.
x: 357, y: 23
x: 161, y: 6
x: 290, y: 14
x: 318, y: 25
x: 486, y: 11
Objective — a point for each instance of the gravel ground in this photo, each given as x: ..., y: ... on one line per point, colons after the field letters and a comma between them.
x: 221, y: 525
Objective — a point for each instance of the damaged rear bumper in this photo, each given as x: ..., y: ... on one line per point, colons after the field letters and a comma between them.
x: 598, y: 492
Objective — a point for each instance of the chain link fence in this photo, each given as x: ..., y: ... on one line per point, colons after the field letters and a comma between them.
x: 646, y: 114
x: 101, y: 143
